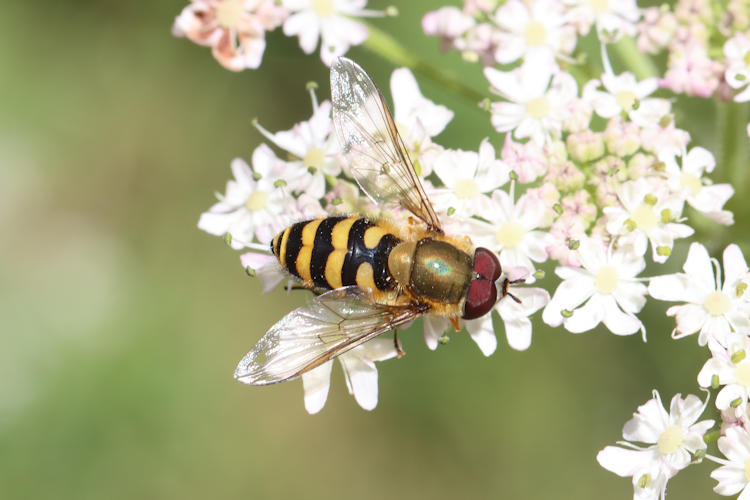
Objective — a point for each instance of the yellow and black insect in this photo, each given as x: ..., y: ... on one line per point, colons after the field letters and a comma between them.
x: 371, y: 276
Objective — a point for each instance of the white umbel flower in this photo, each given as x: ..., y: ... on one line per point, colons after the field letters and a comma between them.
x: 512, y: 230
x: 515, y: 317
x: 539, y: 98
x: 359, y: 371
x: 531, y: 28
x: 313, y: 149
x: 737, y: 75
x: 613, y: 18
x: 467, y: 177
x: 253, y: 202
x: 709, y: 307
x: 671, y: 439
x: 418, y: 119
x: 729, y: 367
x: 623, y: 94
x: 329, y: 21
x: 734, y: 475
x: 685, y: 175
x: 648, y: 213
x: 607, y: 284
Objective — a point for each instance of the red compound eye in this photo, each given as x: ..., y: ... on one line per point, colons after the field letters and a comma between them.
x: 480, y: 299
x: 486, y: 264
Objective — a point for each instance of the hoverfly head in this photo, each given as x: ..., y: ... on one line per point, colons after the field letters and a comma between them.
x: 487, y: 285
x: 482, y: 294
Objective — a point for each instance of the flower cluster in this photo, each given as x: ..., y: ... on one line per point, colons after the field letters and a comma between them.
x: 505, y: 32
x: 707, y: 46
x: 592, y: 175
x: 236, y: 29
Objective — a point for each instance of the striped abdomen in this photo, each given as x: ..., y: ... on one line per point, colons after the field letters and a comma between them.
x: 332, y: 252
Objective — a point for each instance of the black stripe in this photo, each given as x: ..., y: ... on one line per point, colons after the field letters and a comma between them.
x: 377, y: 257
x: 357, y: 252
x: 383, y: 279
x: 277, y: 249
x: 293, y: 246
x: 322, y: 248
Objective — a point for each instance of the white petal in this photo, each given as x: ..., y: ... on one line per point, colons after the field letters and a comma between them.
x: 434, y: 328
x: 735, y: 444
x: 316, y: 383
x: 506, y: 83
x: 518, y: 332
x: 648, y: 424
x: 586, y: 317
x: 618, y: 322
x: 731, y: 480
x: 671, y: 287
x: 735, y: 266
x: 362, y: 378
x: 483, y: 334
x: 242, y: 172
x: 689, y: 409
x: 728, y: 394
x: 623, y: 462
x: 698, y: 267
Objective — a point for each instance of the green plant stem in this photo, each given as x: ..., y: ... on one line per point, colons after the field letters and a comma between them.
x: 634, y: 60
x: 733, y: 145
x: 391, y: 49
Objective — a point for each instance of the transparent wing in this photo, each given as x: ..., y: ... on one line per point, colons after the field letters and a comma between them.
x: 372, y: 145
x: 330, y: 325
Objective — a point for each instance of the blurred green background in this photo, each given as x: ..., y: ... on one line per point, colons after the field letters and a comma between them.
x: 122, y: 323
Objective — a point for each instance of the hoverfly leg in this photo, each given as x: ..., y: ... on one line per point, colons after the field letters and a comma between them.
x: 455, y: 322
x: 399, y: 352
x: 506, y: 285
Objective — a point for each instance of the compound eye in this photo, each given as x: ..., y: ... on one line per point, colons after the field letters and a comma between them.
x: 486, y: 264
x: 480, y: 299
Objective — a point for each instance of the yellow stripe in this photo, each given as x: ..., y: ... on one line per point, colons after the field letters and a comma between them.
x: 282, y: 250
x: 340, y: 235
x: 373, y: 235
x: 364, y: 278
x: 334, y: 265
x: 303, y: 263
x: 308, y: 232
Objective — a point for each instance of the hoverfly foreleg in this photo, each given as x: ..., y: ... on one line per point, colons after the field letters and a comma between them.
x: 399, y: 352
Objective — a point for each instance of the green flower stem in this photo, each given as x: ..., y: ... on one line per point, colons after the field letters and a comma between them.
x: 732, y: 118
x: 634, y: 60
x: 391, y: 49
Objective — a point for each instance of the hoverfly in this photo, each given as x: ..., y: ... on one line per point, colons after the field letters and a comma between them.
x: 370, y: 276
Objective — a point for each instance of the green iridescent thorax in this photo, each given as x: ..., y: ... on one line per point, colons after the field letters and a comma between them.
x: 440, y: 271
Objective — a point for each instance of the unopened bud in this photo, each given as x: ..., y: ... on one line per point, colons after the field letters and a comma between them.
x: 738, y: 356
x: 663, y: 251
x: 644, y: 481
x: 711, y: 436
